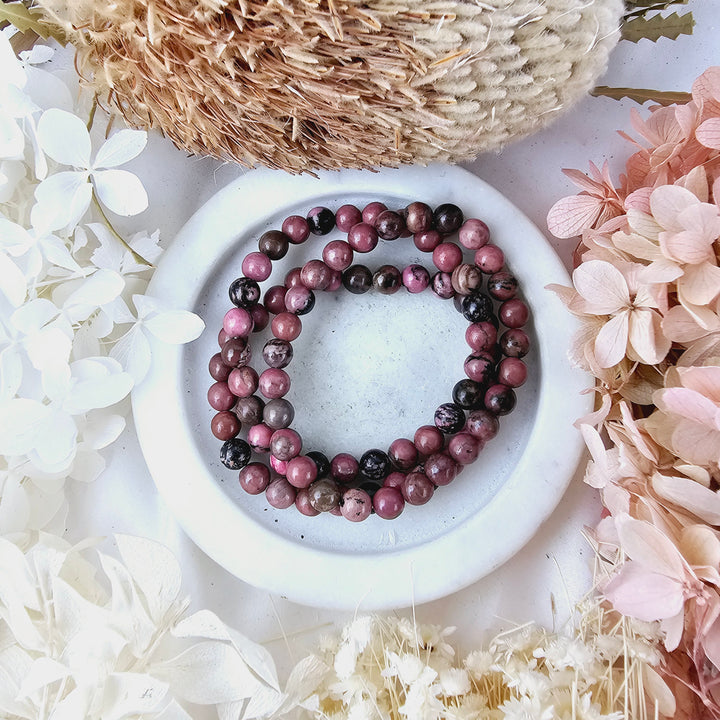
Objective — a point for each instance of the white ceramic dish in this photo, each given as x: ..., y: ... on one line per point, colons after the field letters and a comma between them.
x: 367, y: 369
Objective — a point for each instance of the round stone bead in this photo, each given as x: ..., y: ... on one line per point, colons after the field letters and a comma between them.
x: 296, y: 228
x: 279, y: 466
x: 389, y: 225
x: 403, y: 454
x: 344, y: 468
x: 280, y: 493
x: 417, y: 489
x: 500, y: 399
x: 237, y: 322
x: 477, y: 307
x: 274, y: 244
x: 218, y: 369
x: 371, y: 211
x: 515, y: 343
x: 286, y: 326
x: 502, y: 285
x: 321, y: 220
x: 225, y: 425
x: 324, y: 495
x: 223, y: 337
x: 357, y: 279
x: 257, y: 266
x: 356, y: 505
x: 448, y: 218
x: 428, y: 440
x: 250, y: 410
x: 415, y: 278
x: 316, y: 275
x: 490, y: 259
x: 388, y: 503
x: 292, y: 278
x: 418, y: 217
x: 482, y: 424
x: 514, y: 313
x: 440, y: 469
x: 427, y: 241
x: 394, y: 479
x: 481, y: 336
x: 243, y: 381
x: 449, y: 418
x: 447, y: 256
x: 277, y: 353
x: 259, y: 437
x: 466, y: 279
x: 512, y: 372
x: 260, y: 317
x: 274, y: 299
x: 335, y: 281
x: 278, y: 413
x: 474, y: 234
x: 244, y: 292
x: 346, y: 217
x: 299, y: 300
x: 464, y: 448
x: 274, y: 383
x: 480, y: 368
x: 220, y: 396
x: 387, y: 280
x: 254, y: 478
x: 468, y: 394
x: 374, y: 464
x: 362, y: 238
x: 285, y: 444
x: 441, y: 284
x: 302, y: 503
x: 338, y: 255
x: 321, y: 462
x: 236, y: 352
x: 301, y: 472
x: 235, y: 454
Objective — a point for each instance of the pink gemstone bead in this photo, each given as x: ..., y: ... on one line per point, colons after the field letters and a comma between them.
x: 344, y: 467
x: 316, y: 275
x: 285, y: 444
x: 481, y: 336
x: 394, y: 480
x: 362, y: 238
x: 302, y: 503
x: 428, y: 440
x: 417, y: 489
x: 338, y: 255
x: 356, y: 505
x: 403, y: 454
x: 238, y: 322
x: 298, y: 300
x: 346, y: 217
x: 223, y: 337
x: 474, y: 234
x: 512, y: 372
x: 260, y: 317
x: 225, y: 425
x: 490, y: 259
x: 279, y: 466
x: 513, y: 313
x: 515, y: 343
x: 415, y: 278
x: 257, y: 266
x: 296, y: 228
x: 243, y: 381
x: 259, y: 437
x: 440, y: 469
x: 388, y: 502
x: 464, y: 448
x: 254, y: 478
x: 274, y: 299
x: 301, y: 471
x: 280, y: 494
x: 371, y: 211
x: 274, y: 383
x: 218, y: 369
x: 335, y: 281
x: 220, y: 396
x: 482, y: 425
x: 286, y: 326
x: 480, y: 367
x: 292, y: 278
x: 447, y: 256
x: 427, y: 241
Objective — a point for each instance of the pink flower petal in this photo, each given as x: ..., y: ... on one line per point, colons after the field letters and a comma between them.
x: 639, y: 200
x: 569, y: 216
x: 602, y: 286
x: 705, y: 380
x: 673, y: 628
x: 646, y: 337
x: 679, y: 325
x: 583, y: 181
x: 695, y: 443
x: 667, y: 202
x: 611, y: 341
x: 644, y: 595
x: 706, y: 91
x: 701, y: 283
x: 688, y: 404
x: 647, y: 546
x: 688, y: 494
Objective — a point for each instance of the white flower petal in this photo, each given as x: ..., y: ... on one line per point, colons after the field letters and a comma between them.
x: 14, y: 511
x: 133, y: 353
x: 12, y: 140
x: 98, y: 393
x: 62, y: 199
x: 57, y: 253
x: 102, y: 287
x: 14, y: 238
x: 102, y: 429
x: 12, y: 281
x: 48, y: 347
x: 175, y: 326
x: 55, y: 442
x: 13, y: 71
x: 120, y: 191
x: 64, y: 137
x: 120, y: 148
x: 11, y: 373
x: 19, y: 421
x: 33, y: 315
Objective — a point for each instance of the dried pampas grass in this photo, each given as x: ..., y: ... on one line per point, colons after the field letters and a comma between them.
x: 318, y: 84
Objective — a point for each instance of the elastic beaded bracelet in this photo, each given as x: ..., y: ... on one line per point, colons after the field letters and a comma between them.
x: 410, y: 470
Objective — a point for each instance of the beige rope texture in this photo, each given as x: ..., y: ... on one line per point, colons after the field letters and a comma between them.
x: 317, y: 84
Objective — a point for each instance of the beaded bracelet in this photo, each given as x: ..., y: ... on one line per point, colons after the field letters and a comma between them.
x: 410, y: 470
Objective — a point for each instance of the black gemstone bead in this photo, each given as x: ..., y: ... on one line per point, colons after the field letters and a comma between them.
x: 321, y: 220
x: 449, y: 418
x: 357, y: 279
x: 375, y: 464
x: 469, y: 394
x: 321, y: 462
x: 274, y: 244
x: 500, y: 399
x: 389, y: 225
x: 448, y: 218
x: 370, y: 487
x: 235, y: 454
x: 387, y: 279
x: 277, y: 353
x: 477, y: 307
x: 244, y: 292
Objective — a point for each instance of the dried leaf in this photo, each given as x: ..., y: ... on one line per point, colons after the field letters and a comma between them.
x: 642, y: 95
x: 657, y: 26
x: 30, y: 20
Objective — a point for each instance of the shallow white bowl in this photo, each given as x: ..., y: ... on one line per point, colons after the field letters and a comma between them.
x: 367, y: 369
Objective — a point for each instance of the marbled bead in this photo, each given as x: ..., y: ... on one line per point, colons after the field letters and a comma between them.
x: 371, y: 211
x: 394, y: 479
x: 490, y: 259
x: 299, y: 300
x: 286, y: 326
x: 257, y: 266
x: 388, y: 503
x: 321, y: 462
x: 481, y: 336
x: 387, y: 279
x: 259, y: 437
x: 218, y: 369
x: 466, y: 278
x: 417, y: 489
x: 220, y: 397
x: 374, y: 464
x: 515, y: 343
x: 477, y: 307
x: 464, y: 448
x: 356, y: 505
x: 427, y: 241
x: 260, y: 317
x: 236, y: 352
x: 500, y: 399
x: 415, y: 278
x: 514, y: 313
x: 302, y: 503
x: 447, y: 256
x: 274, y: 299
x: 440, y: 469
x: 347, y: 216
x: 418, y: 217
x: 316, y: 275
x: 238, y: 322
x: 243, y: 381
x: 357, y: 279
x: 279, y: 466
x: 344, y: 467
x: 362, y: 238
x: 474, y: 234
x: 512, y: 372
x: 449, y: 418
x: 403, y: 454
x: 254, y: 478
x: 235, y: 454
x: 292, y: 278
x: 441, y: 284
x: 278, y: 413
x: 250, y: 410
x: 338, y: 255
x: 277, y: 353
x: 389, y: 225
x: 482, y: 424
x: 480, y: 367
x: 285, y: 444
x: 448, y: 218
x: 280, y: 493
x: 244, y: 292
x: 301, y: 472
x: 502, y: 285
x: 324, y: 495
x: 428, y: 440
x: 274, y: 244
x: 296, y: 228
x: 321, y: 220
x: 274, y: 383
x: 225, y: 425
x: 468, y: 394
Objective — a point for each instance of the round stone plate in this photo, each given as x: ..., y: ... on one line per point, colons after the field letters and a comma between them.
x: 367, y: 369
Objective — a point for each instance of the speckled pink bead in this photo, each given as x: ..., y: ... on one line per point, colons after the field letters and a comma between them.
x: 482, y: 424
x: 440, y: 469
x: 296, y: 228
x: 338, y: 255
x: 279, y: 466
x: 254, y: 478
x: 274, y: 299
x: 394, y: 479
x: 274, y: 383
x: 344, y: 467
x: 362, y: 238
x: 481, y: 336
x: 286, y: 326
x: 513, y: 313
x: 347, y: 216
x: 299, y: 300
x: 474, y: 234
x: 388, y: 503
x: 285, y: 444
x: 316, y: 275
x: 403, y: 454
x: 464, y: 448
x: 301, y: 471
x: 480, y: 367
x: 302, y: 503
x: 257, y: 266
x: 415, y: 278
x: 427, y: 241
x: 260, y: 317
x: 292, y: 278
x: 417, y: 489
x: 356, y: 505
x: 512, y: 372
x: 371, y: 211
x: 490, y: 259
x: 220, y: 396
x: 447, y: 256
x: 259, y: 437
x: 428, y: 440
x: 243, y: 381
x: 280, y: 494
x: 238, y: 322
